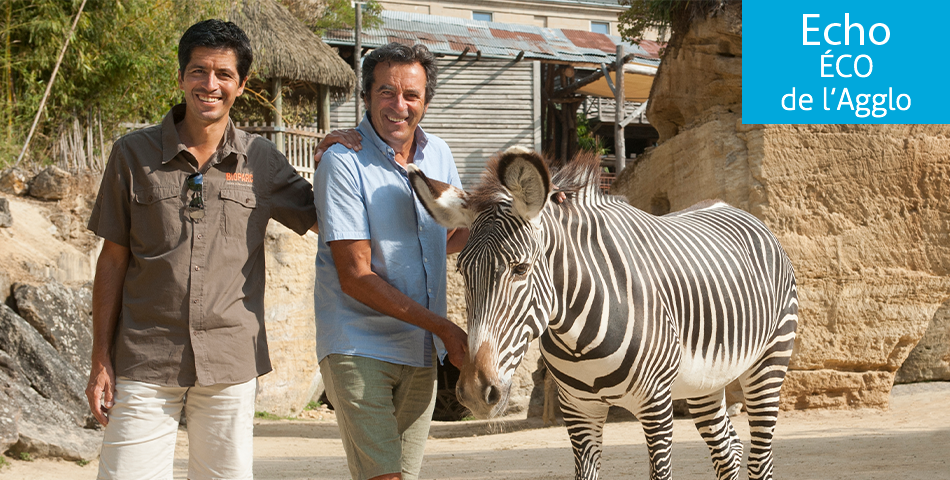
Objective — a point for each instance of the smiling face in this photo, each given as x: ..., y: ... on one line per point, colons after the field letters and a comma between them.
x: 210, y: 83
x: 396, y: 102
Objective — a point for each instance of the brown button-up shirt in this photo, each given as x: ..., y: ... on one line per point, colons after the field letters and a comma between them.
x: 193, y: 298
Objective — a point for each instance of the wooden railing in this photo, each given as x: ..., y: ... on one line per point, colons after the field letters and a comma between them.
x: 298, y: 143
x: 605, y: 110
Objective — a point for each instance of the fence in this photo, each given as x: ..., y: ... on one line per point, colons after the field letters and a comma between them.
x: 77, y: 148
x: 298, y: 143
x: 605, y: 110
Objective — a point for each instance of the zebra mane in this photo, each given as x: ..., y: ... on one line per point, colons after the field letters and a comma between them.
x: 579, y: 176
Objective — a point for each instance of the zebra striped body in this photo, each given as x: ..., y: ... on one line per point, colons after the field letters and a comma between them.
x: 633, y: 310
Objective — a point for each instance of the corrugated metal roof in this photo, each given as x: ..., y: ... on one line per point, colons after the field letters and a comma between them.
x: 450, y: 36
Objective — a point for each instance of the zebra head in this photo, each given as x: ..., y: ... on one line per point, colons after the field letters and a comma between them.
x: 508, y: 286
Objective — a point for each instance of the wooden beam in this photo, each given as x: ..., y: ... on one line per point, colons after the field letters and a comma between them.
x: 520, y: 56
x: 570, y: 89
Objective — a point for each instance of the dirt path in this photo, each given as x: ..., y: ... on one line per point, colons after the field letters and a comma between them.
x: 910, y: 441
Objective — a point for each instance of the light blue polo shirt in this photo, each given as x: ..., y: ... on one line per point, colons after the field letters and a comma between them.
x: 366, y: 196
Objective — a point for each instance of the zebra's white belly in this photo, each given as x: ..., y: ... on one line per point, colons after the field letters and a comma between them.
x: 698, y: 376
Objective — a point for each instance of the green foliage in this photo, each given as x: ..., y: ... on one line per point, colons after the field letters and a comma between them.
x: 271, y: 416
x: 339, y: 14
x: 313, y: 405
x: 3, y: 462
x: 121, y: 60
x: 644, y: 15
x: 82, y: 462
x: 586, y: 139
x: 266, y: 416
x: 26, y: 457
x: 335, y: 14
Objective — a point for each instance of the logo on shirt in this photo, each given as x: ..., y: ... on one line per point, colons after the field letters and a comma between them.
x: 240, y: 177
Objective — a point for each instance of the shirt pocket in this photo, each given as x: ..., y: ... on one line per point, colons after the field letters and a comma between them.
x: 157, y: 217
x: 239, y: 205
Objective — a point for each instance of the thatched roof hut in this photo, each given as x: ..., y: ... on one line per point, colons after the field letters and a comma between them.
x: 285, y: 48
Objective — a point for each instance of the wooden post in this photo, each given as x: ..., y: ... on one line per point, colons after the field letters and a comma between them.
x: 323, y: 112
x: 357, y: 49
x: 278, y: 114
x: 620, y: 155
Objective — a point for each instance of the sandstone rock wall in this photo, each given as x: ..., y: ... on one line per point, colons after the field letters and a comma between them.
x: 860, y: 209
x: 291, y: 334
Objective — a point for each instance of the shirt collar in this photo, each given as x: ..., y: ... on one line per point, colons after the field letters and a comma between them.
x: 235, y: 141
x: 366, y: 129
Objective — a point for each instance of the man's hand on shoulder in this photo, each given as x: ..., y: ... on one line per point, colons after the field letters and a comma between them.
x: 349, y: 138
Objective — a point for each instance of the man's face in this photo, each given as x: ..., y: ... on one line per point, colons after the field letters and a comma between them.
x: 396, y: 102
x: 210, y: 82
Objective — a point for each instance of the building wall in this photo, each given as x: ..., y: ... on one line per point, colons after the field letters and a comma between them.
x: 537, y: 13
x: 480, y: 107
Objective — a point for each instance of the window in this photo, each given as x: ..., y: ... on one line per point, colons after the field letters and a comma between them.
x: 481, y: 16
x: 600, y: 27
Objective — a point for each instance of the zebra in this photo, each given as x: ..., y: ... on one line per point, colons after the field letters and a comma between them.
x: 633, y: 310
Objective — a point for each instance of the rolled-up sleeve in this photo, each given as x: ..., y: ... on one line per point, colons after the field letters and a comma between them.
x: 110, y: 217
x: 291, y: 196
x: 339, y: 197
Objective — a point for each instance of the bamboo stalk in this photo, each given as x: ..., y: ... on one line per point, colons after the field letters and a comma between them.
x: 49, y: 86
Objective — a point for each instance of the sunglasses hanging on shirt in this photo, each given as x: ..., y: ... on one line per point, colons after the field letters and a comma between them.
x: 195, y: 184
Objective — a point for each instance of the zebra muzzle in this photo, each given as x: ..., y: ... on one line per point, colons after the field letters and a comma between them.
x: 479, y: 387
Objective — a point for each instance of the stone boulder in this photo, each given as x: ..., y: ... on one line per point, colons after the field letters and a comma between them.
x: 860, y: 209
x: 51, y: 184
x: 62, y: 315
x: 6, y: 217
x: 9, y: 411
x: 930, y: 360
x: 44, y: 396
x: 14, y: 181
x: 5, y: 287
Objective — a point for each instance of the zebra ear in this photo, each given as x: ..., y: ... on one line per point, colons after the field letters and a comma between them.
x: 524, y: 173
x: 446, y: 203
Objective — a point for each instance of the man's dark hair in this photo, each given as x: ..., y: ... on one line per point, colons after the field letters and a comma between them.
x: 401, y: 54
x: 216, y: 34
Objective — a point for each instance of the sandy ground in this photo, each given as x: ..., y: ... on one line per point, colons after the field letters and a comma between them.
x: 910, y: 441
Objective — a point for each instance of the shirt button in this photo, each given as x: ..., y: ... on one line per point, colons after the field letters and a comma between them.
x: 420, y: 228
x: 199, y: 236
x: 195, y: 302
x: 196, y: 268
x: 425, y: 260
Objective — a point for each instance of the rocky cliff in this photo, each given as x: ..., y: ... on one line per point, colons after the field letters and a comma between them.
x: 860, y: 209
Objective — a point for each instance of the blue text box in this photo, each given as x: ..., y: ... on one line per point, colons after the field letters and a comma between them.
x: 896, y: 77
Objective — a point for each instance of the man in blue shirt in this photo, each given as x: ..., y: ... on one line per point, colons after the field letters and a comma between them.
x: 380, y: 291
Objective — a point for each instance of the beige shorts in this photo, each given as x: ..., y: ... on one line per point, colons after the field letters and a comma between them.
x: 383, y: 411
x: 139, y: 442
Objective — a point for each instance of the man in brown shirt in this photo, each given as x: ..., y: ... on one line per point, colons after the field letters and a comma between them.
x: 178, y: 299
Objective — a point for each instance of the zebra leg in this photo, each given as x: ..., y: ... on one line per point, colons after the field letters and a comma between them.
x: 656, y: 417
x: 761, y: 386
x: 585, y: 424
x: 709, y: 414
